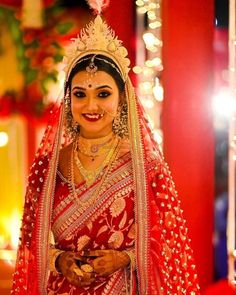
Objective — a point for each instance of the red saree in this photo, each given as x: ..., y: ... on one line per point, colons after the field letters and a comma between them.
x: 137, y: 207
x: 107, y: 224
x: 110, y: 224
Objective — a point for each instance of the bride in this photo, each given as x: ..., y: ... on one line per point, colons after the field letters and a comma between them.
x: 101, y: 213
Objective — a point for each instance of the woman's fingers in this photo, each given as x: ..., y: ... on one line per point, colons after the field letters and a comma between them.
x: 86, y: 280
x: 76, y: 269
x: 87, y: 268
x: 95, y: 253
x: 103, y: 265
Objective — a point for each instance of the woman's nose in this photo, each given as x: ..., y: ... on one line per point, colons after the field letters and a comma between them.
x: 92, y: 104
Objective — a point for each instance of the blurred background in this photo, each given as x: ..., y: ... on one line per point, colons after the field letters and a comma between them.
x: 180, y: 54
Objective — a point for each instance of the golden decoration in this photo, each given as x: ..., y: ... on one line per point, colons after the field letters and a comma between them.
x: 117, y: 207
x: 86, y: 268
x: 97, y: 38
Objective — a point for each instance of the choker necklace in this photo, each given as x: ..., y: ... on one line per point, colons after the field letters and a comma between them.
x: 94, y: 147
x: 91, y: 175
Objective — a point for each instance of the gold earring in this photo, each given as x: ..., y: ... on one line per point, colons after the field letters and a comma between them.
x: 120, y: 122
x: 72, y: 127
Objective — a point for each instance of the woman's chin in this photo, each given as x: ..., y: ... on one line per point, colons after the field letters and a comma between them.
x: 94, y: 133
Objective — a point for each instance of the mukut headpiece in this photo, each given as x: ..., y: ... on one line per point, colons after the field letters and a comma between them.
x: 97, y: 38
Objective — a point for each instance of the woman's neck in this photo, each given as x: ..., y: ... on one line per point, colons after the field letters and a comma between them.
x: 88, y: 135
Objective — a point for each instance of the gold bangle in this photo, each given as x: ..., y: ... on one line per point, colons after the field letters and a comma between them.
x: 53, y: 255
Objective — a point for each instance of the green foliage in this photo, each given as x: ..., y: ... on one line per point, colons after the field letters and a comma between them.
x: 8, y: 17
x: 63, y: 28
x: 38, y: 52
x: 30, y: 76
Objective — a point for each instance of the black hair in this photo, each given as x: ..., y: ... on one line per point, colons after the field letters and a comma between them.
x: 103, y: 63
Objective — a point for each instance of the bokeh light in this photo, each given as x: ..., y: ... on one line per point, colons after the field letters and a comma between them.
x: 3, y: 139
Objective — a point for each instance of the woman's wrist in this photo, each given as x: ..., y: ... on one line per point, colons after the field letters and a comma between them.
x: 131, y: 254
x: 54, y: 255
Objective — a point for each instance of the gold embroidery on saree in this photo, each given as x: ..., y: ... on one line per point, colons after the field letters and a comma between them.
x: 120, y: 184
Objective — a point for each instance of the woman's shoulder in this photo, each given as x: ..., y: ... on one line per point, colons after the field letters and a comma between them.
x: 124, y: 147
x: 65, y: 152
x: 153, y: 158
x: 64, y: 160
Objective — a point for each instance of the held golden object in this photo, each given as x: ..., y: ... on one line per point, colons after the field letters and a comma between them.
x: 78, y: 272
x: 86, y: 268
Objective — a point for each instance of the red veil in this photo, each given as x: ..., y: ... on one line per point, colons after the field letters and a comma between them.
x: 164, y: 260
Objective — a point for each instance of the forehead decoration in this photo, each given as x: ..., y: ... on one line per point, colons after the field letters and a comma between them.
x: 99, y: 39
x: 92, y: 68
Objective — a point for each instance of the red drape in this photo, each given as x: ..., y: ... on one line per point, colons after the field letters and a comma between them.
x: 187, y: 119
x: 120, y: 15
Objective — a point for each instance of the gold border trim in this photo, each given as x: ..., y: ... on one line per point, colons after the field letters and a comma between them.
x: 140, y: 191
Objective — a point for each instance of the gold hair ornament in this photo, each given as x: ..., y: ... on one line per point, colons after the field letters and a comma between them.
x: 92, y: 68
x: 97, y: 38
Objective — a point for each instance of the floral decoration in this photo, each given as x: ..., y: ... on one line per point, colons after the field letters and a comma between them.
x: 38, y: 54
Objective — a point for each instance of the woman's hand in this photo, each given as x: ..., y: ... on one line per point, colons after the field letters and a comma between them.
x: 107, y: 262
x: 68, y: 264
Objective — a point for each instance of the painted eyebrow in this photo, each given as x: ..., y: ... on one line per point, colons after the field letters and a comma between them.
x: 103, y: 86
x: 97, y: 88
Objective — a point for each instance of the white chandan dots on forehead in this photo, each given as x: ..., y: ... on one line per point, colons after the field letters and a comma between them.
x: 92, y: 69
x: 89, y: 84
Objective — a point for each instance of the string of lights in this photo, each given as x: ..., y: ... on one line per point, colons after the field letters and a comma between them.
x: 149, y: 61
x: 232, y: 146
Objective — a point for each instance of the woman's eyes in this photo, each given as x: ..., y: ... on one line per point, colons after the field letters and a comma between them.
x: 104, y: 94
x: 81, y: 94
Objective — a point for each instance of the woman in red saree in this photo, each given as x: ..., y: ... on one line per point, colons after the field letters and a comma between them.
x: 101, y: 212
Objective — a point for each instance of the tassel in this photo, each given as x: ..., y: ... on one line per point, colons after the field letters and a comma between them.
x: 98, y: 5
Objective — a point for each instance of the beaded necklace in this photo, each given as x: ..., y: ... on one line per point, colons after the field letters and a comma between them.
x: 93, y: 197
x: 91, y: 175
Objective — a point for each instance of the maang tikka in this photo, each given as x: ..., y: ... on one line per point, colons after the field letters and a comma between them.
x: 92, y: 68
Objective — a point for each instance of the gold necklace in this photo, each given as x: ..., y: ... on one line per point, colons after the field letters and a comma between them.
x: 91, y: 175
x: 92, y: 199
x: 94, y: 147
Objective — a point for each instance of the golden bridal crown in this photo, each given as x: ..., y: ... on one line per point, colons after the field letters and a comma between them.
x: 97, y: 38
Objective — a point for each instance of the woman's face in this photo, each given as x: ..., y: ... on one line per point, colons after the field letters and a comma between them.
x: 94, y: 103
